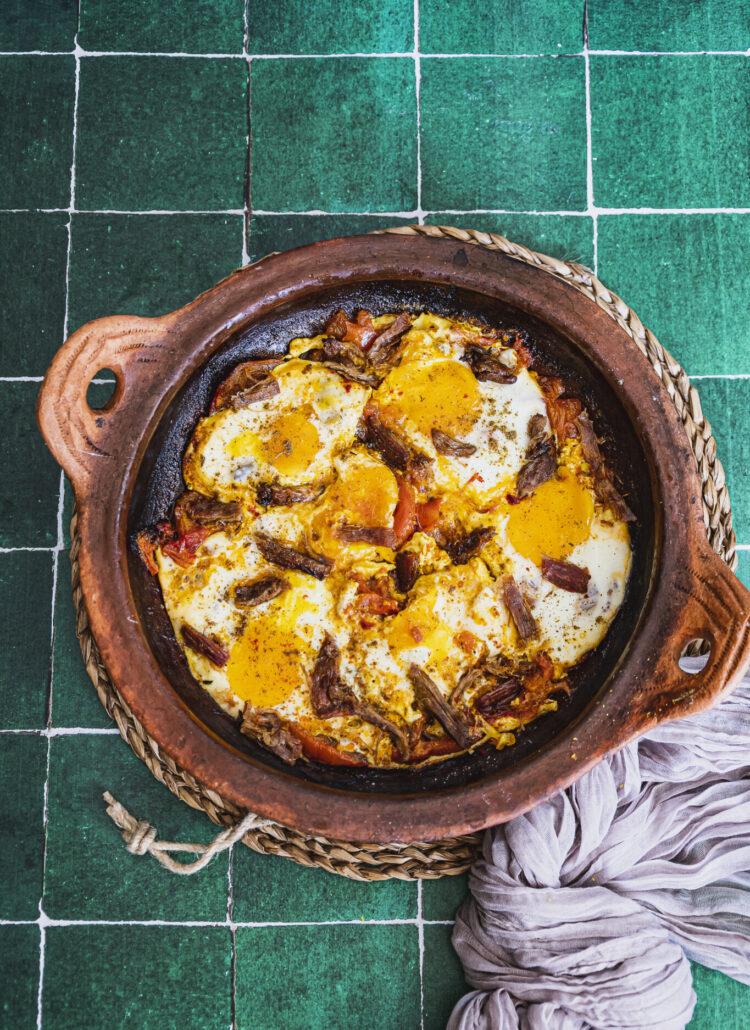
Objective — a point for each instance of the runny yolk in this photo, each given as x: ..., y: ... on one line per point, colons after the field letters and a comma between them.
x: 290, y: 444
x: 443, y: 395
x: 553, y: 520
x: 265, y: 666
x: 367, y: 493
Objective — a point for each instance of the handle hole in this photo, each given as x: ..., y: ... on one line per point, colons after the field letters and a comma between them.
x: 101, y: 390
x: 694, y: 656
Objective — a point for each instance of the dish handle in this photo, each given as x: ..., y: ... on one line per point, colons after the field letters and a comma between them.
x: 87, y: 442
x: 711, y: 605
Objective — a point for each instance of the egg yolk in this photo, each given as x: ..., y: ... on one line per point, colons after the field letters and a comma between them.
x: 442, y: 395
x: 553, y: 520
x: 290, y: 446
x: 367, y: 493
x: 265, y: 666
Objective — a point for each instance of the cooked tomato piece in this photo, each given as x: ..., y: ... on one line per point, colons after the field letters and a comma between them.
x: 430, y: 748
x: 183, y: 549
x: 319, y: 750
x: 405, y: 515
x: 362, y: 332
x: 428, y: 514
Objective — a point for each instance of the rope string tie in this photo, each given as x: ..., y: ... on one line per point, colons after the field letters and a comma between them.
x: 141, y: 839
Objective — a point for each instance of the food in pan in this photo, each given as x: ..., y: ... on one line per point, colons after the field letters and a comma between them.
x: 394, y: 543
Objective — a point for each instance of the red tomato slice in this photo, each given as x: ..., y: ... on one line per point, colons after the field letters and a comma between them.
x: 319, y: 751
x: 405, y: 515
x: 428, y: 514
x: 183, y: 549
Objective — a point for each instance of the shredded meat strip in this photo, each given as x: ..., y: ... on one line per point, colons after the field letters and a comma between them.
x: 430, y: 698
x: 265, y: 726
x: 461, y: 549
x: 193, y: 507
x: 407, y: 570
x: 565, y: 575
x: 523, y: 619
x: 445, y: 444
x: 209, y: 648
x: 273, y: 495
x: 289, y: 558
x: 259, y: 591
x: 486, y: 366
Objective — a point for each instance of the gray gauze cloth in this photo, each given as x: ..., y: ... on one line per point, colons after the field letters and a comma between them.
x: 583, y: 912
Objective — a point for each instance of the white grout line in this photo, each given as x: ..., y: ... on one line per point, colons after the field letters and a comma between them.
x: 247, y: 199
x: 732, y: 375
x: 46, y: 921
x: 742, y: 547
x: 233, y: 932
x: 392, y: 214
x: 63, y: 731
x: 420, y: 937
x: 418, y: 96
x: 395, y: 53
x: 590, y: 208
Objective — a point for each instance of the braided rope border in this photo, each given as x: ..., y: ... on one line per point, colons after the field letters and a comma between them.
x: 431, y: 860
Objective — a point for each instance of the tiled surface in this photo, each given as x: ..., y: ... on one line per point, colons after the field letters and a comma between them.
x: 145, y: 976
x: 313, y: 146
x: 665, y: 25
x: 652, y: 115
x: 147, y: 264
x: 141, y: 147
x: 343, y: 977
x: 150, y: 213
x: 519, y: 27
x: 500, y: 133
x: 334, y: 27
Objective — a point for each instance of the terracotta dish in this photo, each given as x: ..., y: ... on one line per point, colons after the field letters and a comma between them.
x: 124, y: 462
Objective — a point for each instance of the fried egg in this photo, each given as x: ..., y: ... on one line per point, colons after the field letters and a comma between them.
x: 288, y: 439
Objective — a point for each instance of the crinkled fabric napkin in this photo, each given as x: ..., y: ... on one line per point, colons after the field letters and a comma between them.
x: 584, y: 912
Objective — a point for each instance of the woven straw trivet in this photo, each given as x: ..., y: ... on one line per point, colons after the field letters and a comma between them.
x: 437, y: 858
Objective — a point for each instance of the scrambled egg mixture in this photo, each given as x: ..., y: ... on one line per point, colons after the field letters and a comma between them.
x: 394, y: 542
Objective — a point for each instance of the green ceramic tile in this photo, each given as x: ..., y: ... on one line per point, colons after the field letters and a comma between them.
x: 19, y: 977
x: 33, y: 255
x: 743, y: 568
x: 340, y: 977
x: 723, y: 1003
x: 333, y: 27
x: 569, y: 237
x: 23, y: 768
x: 270, y: 889
x: 30, y: 479
x: 207, y: 27
x: 441, y: 898
x: 90, y: 874
x: 500, y: 133
x: 726, y: 405
x: 444, y: 982
x: 25, y: 592
x: 686, y: 277
x: 137, y: 976
x: 36, y: 130
x: 313, y: 144
x: 504, y: 27
x: 74, y: 699
x: 666, y: 25
x: 670, y: 132
x: 269, y: 233
x: 147, y: 264
x: 42, y: 25
x: 160, y: 133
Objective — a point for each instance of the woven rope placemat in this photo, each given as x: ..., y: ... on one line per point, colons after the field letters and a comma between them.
x: 437, y: 858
